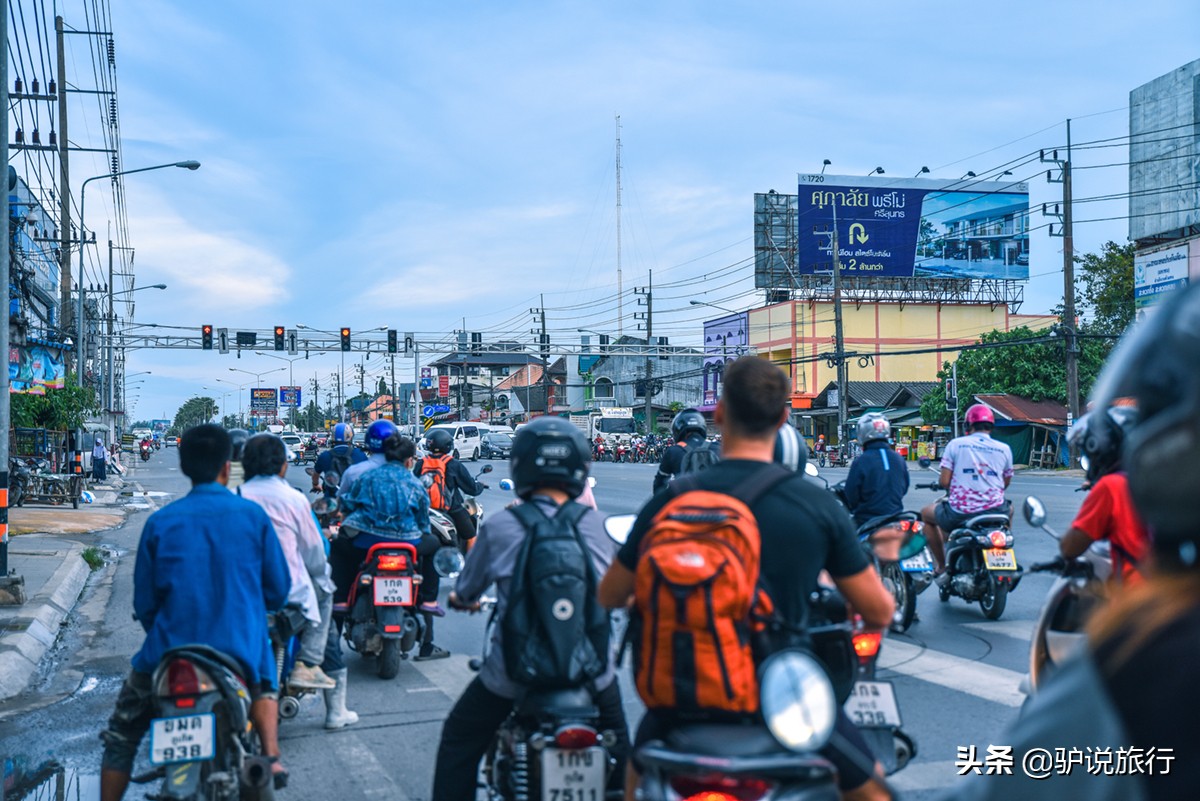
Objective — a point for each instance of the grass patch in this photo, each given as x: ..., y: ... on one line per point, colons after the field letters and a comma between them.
x: 94, y: 557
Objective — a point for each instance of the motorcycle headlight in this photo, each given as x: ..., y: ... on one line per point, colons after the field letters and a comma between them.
x: 798, y: 703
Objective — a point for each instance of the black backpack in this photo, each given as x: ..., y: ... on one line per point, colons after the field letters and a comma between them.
x: 555, y: 633
x: 341, y: 462
x: 697, y: 458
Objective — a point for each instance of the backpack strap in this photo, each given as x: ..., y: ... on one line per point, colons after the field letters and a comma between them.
x: 761, y: 482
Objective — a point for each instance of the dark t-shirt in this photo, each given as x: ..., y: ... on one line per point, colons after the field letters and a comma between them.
x: 803, y: 528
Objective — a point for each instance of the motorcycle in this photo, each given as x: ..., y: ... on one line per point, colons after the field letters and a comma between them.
x: 284, y: 628
x: 981, y: 562
x: 1078, y: 592
x: 621, y: 453
x: 325, y: 505
x: 18, y: 481
x: 443, y: 525
x: 145, y: 451
x: 202, y: 743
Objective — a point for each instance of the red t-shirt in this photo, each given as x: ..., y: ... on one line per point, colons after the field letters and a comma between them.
x: 1108, y: 514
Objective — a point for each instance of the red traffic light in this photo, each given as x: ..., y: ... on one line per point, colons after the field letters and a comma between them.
x: 207, y: 329
x: 279, y: 330
x: 345, y: 332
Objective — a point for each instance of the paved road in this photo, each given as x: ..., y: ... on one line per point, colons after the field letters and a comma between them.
x: 955, y: 672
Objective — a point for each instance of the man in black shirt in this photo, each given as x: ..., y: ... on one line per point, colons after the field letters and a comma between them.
x: 803, y: 530
x: 690, y: 433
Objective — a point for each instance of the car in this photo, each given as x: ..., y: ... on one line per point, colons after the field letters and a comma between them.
x: 496, y: 445
x: 172, y: 442
x: 1023, y: 259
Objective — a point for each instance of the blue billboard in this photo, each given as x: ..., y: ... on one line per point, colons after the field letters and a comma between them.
x: 913, y: 227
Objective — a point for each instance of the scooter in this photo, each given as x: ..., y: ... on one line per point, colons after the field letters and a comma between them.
x: 981, y: 562
x: 325, y: 505
x: 1079, y: 590
x: 284, y: 628
x: 381, y: 619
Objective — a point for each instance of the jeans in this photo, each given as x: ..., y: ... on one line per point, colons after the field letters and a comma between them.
x: 473, y: 722
x: 314, y: 638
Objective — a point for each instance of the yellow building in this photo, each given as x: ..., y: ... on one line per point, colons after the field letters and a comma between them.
x: 795, y: 334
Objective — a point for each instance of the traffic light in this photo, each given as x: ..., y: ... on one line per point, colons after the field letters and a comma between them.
x: 393, y: 341
x: 951, y: 395
x: 279, y: 345
x: 206, y: 337
x: 345, y: 339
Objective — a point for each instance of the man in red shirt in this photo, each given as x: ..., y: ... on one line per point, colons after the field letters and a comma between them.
x: 1107, y: 513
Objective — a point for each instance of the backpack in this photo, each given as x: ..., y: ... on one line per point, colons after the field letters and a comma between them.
x: 435, y: 468
x: 698, y: 458
x: 698, y: 600
x: 555, y: 632
x: 340, y: 461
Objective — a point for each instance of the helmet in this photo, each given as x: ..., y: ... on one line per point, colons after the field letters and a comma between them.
x: 980, y: 414
x: 550, y: 452
x: 342, y: 432
x: 689, y: 421
x: 873, y: 426
x: 1155, y: 365
x: 791, y: 450
x: 239, y: 437
x: 377, y: 433
x: 1099, y: 435
x: 439, y: 441
x: 820, y: 436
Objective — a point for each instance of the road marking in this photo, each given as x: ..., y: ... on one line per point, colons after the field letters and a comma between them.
x: 936, y: 775
x: 374, y: 780
x: 1017, y: 629
x: 450, y: 675
x: 996, y: 684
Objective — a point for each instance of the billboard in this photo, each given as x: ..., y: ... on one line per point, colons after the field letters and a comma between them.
x: 32, y: 369
x: 1158, y: 272
x: 913, y: 227
x: 289, y: 396
x: 725, y: 338
x: 263, y: 399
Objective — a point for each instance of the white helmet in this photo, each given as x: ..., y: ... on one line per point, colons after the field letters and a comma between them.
x: 873, y: 426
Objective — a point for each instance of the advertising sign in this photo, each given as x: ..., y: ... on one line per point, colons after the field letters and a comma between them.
x: 443, y: 386
x: 32, y: 369
x: 1157, y: 273
x: 289, y: 396
x: 263, y: 399
x: 910, y: 226
x: 160, y: 425
x: 725, y: 338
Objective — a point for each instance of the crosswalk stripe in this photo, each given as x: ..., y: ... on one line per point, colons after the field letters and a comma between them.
x: 996, y: 684
x: 369, y: 771
x: 450, y: 675
x: 1017, y: 629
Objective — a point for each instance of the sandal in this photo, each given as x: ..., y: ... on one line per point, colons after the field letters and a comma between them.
x: 434, y: 653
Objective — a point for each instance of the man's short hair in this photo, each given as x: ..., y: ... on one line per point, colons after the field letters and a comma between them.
x: 203, y: 452
x: 399, y: 448
x: 263, y: 455
x: 982, y: 425
x: 755, y: 394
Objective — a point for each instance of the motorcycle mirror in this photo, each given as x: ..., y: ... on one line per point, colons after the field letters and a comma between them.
x: 507, y: 484
x: 309, y: 470
x: 321, y: 506
x: 331, y: 479
x: 810, y: 469
x: 618, y: 527
x: 487, y: 468
x: 1084, y: 462
x: 798, y: 703
x: 924, y: 461
x: 448, y: 562
x: 592, y: 482
x: 1035, y: 511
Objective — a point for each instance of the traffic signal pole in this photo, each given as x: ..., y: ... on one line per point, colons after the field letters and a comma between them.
x: 13, y: 584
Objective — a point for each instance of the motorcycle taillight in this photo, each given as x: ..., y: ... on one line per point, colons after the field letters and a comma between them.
x: 999, y: 539
x: 184, y: 678
x: 393, y: 561
x: 576, y: 737
x: 866, y: 644
x: 715, y: 787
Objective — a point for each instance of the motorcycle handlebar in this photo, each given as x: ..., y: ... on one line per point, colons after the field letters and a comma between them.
x: 933, y: 485
x: 1054, y: 566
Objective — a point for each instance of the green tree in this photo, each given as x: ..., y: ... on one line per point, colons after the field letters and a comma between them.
x: 59, y: 409
x: 193, y: 412
x: 1106, y: 297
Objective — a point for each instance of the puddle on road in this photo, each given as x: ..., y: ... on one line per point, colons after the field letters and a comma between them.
x: 47, y: 781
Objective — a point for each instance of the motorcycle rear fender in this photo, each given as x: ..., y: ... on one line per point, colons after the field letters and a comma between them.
x: 390, y: 617
x: 182, y: 780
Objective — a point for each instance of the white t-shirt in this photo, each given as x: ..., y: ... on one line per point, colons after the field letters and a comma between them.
x: 979, y: 465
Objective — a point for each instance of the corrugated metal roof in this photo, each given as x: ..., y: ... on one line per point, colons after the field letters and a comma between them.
x: 879, y: 394
x: 1023, y: 410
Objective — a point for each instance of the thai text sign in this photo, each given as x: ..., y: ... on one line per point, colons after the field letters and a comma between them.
x: 263, y: 399
x: 289, y: 396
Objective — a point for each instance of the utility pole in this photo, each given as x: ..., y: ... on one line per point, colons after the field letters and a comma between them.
x: 620, y: 300
x: 839, y: 342
x: 64, y: 199
x: 395, y: 404
x: 14, y: 584
x: 539, y: 314
x: 648, y: 316
x: 108, y: 377
x: 1071, y: 356
x: 416, y: 415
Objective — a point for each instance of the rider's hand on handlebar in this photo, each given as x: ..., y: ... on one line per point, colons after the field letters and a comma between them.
x: 456, y: 603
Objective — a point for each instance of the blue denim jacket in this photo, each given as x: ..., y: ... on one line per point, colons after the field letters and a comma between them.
x: 389, y: 502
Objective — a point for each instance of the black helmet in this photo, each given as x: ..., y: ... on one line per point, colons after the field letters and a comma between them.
x: 239, y: 437
x: 1099, y: 435
x: 1156, y: 365
x: 791, y: 450
x: 689, y: 421
x: 439, y: 441
x: 550, y: 452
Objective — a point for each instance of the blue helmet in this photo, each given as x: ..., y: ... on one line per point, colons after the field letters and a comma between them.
x: 342, y: 432
x: 377, y: 433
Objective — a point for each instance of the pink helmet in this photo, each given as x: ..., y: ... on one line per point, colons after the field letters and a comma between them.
x: 980, y: 414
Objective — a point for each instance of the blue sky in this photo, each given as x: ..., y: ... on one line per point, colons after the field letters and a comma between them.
x: 410, y: 164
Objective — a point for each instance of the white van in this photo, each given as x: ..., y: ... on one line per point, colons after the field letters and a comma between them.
x: 467, y: 438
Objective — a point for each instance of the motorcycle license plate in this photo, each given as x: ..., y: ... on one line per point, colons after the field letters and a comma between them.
x: 1000, y: 559
x: 393, y: 591
x: 186, y: 739
x: 917, y: 564
x: 573, y: 774
x: 873, y: 703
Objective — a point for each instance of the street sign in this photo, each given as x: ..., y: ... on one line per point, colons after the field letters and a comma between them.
x: 443, y: 386
x: 441, y: 408
x: 409, y: 342
x: 426, y: 423
x: 426, y: 372
x: 427, y: 411
x: 426, y: 383
x: 289, y: 396
x: 263, y: 399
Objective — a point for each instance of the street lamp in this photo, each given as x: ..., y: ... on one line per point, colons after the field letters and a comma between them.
x: 342, y: 375
x: 224, y: 393
x: 257, y: 378
x: 921, y: 172
x: 876, y: 171
x: 825, y: 164
x: 240, y: 387
x: 712, y: 305
x: 291, y: 379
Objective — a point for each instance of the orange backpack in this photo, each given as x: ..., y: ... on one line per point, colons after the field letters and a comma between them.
x: 698, y: 600
x: 435, y: 467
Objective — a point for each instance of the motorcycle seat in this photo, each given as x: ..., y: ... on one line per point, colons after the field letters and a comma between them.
x: 724, y: 739
x: 986, y: 519
x: 575, y: 702
x: 205, y: 652
x: 876, y: 523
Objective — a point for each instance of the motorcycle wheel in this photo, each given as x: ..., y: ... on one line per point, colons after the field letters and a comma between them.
x: 906, y: 600
x: 389, y: 659
x: 994, y: 599
x: 944, y: 592
x: 59, y: 493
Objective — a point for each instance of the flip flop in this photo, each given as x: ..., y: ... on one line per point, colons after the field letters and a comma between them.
x: 434, y: 653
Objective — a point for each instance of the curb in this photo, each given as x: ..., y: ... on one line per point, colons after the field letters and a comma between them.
x: 26, y: 639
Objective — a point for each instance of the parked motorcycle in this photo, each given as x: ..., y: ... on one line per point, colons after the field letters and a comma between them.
x: 981, y: 562
x: 18, y: 481
x: 202, y: 743
x: 1078, y: 592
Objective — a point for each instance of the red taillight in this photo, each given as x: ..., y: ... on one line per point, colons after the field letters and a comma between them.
x: 576, y: 737
x: 999, y: 539
x: 715, y: 787
x: 866, y: 644
x: 185, y: 703
x: 184, y: 678
x: 393, y: 561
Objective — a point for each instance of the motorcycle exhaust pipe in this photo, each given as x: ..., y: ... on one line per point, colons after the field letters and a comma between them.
x: 256, y: 776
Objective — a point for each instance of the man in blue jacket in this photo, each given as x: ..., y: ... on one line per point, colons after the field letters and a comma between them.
x: 878, y: 479
x: 209, y: 568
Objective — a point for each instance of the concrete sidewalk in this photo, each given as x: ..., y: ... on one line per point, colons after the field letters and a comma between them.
x: 55, y: 574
